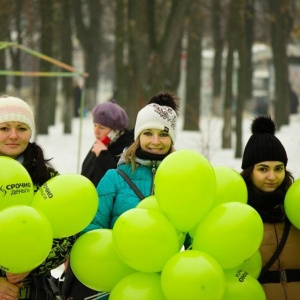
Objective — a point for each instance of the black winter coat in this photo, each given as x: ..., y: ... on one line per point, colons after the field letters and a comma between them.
x: 94, y: 167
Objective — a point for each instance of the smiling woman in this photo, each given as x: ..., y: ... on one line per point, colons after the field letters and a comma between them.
x: 154, y: 136
x: 16, y: 128
x: 267, y: 179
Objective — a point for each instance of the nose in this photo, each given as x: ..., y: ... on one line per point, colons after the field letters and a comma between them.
x: 13, y: 134
x: 271, y: 175
x: 155, y: 139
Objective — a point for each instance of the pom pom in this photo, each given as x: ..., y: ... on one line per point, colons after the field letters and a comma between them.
x: 263, y: 124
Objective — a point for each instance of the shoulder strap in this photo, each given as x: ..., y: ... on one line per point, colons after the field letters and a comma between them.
x: 278, y: 250
x: 131, y: 184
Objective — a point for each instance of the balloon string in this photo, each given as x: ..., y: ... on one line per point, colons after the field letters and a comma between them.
x: 97, y: 296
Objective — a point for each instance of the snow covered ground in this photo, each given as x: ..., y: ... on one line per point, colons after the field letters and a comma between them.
x: 69, y: 150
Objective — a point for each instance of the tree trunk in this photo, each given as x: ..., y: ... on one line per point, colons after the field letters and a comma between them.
x: 47, y: 85
x: 218, y: 44
x: 151, y: 57
x: 193, y: 70
x: 280, y: 29
x: 63, y: 9
x: 88, y: 27
x: 4, y: 34
x: 242, y: 75
x: 227, y: 111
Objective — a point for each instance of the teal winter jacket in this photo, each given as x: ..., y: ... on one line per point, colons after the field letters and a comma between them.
x: 116, y: 196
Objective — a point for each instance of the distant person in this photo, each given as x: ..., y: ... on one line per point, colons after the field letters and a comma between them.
x: 294, y: 102
x: 77, y: 98
x: 111, y: 137
x: 154, y: 136
x: 16, y: 129
x: 264, y: 171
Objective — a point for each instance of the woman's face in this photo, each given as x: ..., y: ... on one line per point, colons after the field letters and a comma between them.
x: 100, y: 131
x: 14, y: 138
x: 155, y: 141
x: 267, y: 176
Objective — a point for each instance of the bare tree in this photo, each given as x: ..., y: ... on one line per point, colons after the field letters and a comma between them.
x: 5, y: 11
x: 47, y: 86
x: 281, y: 25
x: 242, y: 74
x: 151, y: 49
x: 193, y: 67
x: 217, y: 20
x: 64, y: 31
x: 88, y: 14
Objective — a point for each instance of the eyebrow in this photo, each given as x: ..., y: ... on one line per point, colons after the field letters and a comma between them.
x: 267, y: 166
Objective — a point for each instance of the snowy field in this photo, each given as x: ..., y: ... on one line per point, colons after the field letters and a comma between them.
x: 69, y: 150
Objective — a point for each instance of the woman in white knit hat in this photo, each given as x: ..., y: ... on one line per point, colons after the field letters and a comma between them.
x: 16, y: 128
x: 154, y: 135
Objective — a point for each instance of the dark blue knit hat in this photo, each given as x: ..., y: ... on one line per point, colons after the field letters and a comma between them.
x: 263, y: 145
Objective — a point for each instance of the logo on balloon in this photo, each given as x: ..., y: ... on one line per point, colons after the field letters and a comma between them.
x: 241, y: 275
x: 3, y: 191
x: 16, y: 188
x: 45, y: 191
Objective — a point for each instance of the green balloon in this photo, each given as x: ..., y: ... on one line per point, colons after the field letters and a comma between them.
x: 231, y: 233
x: 292, y: 203
x: 149, y: 202
x: 192, y: 275
x: 138, y: 286
x: 231, y: 186
x: 95, y: 262
x: 26, y: 238
x: 242, y: 285
x: 252, y: 265
x: 185, y: 186
x: 16, y: 186
x: 145, y: 239
x: 69, y: 201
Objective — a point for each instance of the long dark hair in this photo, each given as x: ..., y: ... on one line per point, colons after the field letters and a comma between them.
x: 287, y: 181
x: 39, y: 168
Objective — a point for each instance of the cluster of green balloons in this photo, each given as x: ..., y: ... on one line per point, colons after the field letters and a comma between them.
x: 142, y: 257
x: 62, y: 207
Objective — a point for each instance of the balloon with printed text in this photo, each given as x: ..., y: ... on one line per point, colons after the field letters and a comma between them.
x: 242, y: 285
x: 69, y: 201
x: 16, y: 186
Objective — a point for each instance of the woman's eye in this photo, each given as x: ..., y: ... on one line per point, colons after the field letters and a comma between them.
x: 164, y: 134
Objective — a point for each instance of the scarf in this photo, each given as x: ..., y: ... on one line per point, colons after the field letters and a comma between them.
x: 146, y: 155
x: 269, y: 205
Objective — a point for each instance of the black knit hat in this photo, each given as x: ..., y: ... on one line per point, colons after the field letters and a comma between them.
x: 263, y: 145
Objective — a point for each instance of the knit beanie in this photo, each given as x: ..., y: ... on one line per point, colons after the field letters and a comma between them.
x: 263, y: 145
x: 111, y: 115
x: 155, y: 116
x: 13, y: 109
